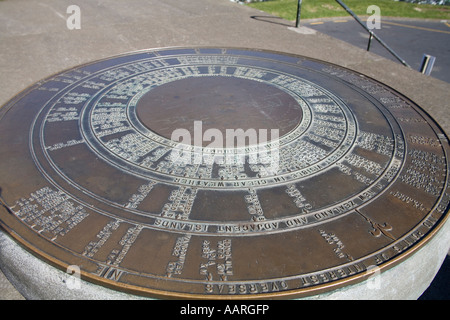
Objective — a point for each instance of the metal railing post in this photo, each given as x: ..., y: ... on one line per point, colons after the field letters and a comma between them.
x: 370, y: 41
x: 427, y: 64
x: 372, y: 34
x: 299, y: 11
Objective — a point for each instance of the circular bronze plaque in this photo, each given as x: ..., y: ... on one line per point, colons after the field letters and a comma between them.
x: 218, y: 173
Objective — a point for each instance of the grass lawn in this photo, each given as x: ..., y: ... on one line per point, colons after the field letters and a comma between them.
x: 287, y: 9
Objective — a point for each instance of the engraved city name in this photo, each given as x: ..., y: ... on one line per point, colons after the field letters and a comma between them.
x: 50, y: 212
x: 179, y: 251
x: 93, y: 246
x: 332, y: 239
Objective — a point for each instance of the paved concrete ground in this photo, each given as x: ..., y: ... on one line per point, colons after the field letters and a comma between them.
x: 409, y: 38
x: 7, y: 290
x: 35, y: 43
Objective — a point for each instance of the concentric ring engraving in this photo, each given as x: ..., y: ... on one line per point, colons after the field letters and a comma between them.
x: 361, y: 175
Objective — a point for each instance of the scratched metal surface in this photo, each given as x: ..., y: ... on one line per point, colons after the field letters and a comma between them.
x: 344, y: 174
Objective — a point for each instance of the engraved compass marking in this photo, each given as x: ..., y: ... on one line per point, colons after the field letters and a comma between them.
x: 110, y: 273
x: 379, y: 229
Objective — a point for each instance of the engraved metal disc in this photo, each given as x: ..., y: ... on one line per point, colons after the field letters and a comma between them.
x: 211, y: 172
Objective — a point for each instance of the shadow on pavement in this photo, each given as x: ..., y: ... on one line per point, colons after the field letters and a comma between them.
x: 439, y: 289
x: 272, y: 19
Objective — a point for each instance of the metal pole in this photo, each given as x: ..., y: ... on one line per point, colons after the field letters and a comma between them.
x: 370, y: 41
x: 299, y: 11
x: 373, y: 34
x: 427, y: 64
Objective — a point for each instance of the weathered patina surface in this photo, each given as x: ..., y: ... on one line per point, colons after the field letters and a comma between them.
x: 218, y: 172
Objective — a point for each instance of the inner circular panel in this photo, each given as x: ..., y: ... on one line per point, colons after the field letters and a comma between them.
x: 219, y: 103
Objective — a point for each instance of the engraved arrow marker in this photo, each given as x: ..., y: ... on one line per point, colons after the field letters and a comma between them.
x: 379, y: 229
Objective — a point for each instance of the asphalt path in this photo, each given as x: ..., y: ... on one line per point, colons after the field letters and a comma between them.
x: 410, y: 39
